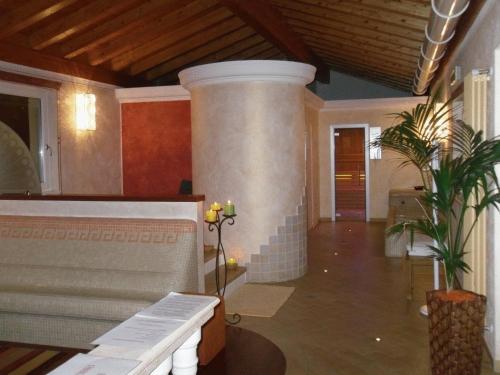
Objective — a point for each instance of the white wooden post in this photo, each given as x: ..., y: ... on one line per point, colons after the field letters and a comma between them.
x: 164, y: 368
x: 185, y: 358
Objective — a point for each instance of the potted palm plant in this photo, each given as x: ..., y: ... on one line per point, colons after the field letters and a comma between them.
x: 461, y: 181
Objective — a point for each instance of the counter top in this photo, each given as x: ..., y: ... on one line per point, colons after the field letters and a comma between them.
x: 103, y: 198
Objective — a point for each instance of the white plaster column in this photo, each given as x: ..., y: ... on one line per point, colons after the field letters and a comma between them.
x: 248, y: 141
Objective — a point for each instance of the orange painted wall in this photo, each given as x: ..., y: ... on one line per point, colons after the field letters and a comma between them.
x: 156, y: 147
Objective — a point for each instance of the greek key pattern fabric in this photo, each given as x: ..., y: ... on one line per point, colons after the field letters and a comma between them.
x: 155, y: 231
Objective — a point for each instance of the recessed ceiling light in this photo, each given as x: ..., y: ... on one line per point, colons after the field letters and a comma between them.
x: 335, y: 253
x: 378, y: 339
x: 325, y: 270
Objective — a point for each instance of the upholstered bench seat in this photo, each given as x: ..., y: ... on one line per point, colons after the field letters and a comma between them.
x: 73, y: 306
x: 65, y: 281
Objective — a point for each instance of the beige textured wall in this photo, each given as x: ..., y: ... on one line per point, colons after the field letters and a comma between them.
x: 312, y: 166
x: 385, y: 174
x: 478, y: 51
x: 248, y: 146
x: 90, y: 160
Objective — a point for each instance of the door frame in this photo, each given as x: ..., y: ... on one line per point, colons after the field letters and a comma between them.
x: 366, y: 127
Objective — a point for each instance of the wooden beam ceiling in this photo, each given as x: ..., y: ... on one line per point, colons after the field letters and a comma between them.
x: 160, y: 28
x: 183, y: 45
x: 25, y: 56
x: 252, y: 47
x: 119, y: 26
x: 87, y: 16
x: 268, y: 22
x: 188, y: 28
x: 350, y: 24
x: 28, y: 14
x: 353, y: 13
x: 152, y: 40
x: 199, y: 52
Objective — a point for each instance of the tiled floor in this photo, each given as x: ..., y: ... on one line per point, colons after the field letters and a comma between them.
x: 331, y: 323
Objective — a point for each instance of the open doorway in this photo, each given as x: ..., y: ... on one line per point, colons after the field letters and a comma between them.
x: 349, y: 172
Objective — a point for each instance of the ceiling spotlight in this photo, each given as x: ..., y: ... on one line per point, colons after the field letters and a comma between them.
x: 378, y: 339
x: 325, y: 271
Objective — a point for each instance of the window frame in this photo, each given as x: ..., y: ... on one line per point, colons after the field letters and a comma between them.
x: 49, y: 152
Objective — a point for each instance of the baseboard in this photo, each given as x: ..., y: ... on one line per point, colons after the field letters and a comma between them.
x: 496, y: 367
x: 495, y: 364
x: 372, y: 219
x: 378, y: 219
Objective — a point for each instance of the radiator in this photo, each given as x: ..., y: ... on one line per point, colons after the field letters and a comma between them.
x: 475, y: 110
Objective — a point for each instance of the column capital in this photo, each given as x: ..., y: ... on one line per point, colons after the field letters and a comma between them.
x: 247, y: 71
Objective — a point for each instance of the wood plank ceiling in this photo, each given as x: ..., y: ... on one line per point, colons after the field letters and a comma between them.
x: 134, y: 42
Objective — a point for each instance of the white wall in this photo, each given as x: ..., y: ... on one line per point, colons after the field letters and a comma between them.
x: 385, y: 174
x: 477, y: 51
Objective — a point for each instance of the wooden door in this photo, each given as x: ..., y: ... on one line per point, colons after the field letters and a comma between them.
x: 350, y: 186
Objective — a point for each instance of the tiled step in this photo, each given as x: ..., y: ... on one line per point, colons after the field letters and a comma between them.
x: 235, y: 279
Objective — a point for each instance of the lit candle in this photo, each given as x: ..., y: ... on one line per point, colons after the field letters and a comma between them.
x: 215, y: 206
x: 232, y: 263
x: 211, y: 216
x: 229, y: 208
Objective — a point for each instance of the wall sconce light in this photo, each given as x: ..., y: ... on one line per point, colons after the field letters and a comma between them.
x: 85, y: 111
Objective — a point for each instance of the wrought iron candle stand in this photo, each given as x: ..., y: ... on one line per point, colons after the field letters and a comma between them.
x: 217, y: 224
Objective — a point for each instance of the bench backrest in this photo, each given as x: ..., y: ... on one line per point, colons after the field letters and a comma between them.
x: 129, y: 258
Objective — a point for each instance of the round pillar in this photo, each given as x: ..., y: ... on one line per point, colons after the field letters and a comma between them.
x: 248, y: 141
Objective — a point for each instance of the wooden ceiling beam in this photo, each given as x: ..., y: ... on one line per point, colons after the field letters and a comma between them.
x: 123, y: 24
x: 369, y: 66
x: 345, y: 38
x: 363, y: 49
x: 199, y: 53
x: 186, y: 30
x: 89, y: 15
x: 271, y: 24
x: 179, y: 35
x: 372, y: 76
x: 228, y: 53
x: 348, y: 24
x: 29, y: 13
x: 28, y: 80
x: 359, y: 58
x: 354, y: 11
x: 269, y: 54
x: 162, y: 26
x: 312, y: 13
x: 357, y: 33
x: 250, y: 53
x: 405, y: 70
x: 404, y: 7
x: 222, y: 54
x: 188, y: 44
x: 26, y: 56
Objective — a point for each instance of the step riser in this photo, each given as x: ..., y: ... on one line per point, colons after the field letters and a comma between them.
x: 210, y: 265
x: 234, y: 285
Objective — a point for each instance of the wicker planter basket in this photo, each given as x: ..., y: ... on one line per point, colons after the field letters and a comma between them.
x: 456, y: 323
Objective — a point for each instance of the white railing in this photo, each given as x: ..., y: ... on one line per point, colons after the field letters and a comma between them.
x: 127, y: 350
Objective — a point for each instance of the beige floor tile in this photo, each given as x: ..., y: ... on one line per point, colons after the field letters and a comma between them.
x: 330, y: 324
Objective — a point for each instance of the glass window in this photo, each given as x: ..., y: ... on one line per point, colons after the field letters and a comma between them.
x: 28, y: 139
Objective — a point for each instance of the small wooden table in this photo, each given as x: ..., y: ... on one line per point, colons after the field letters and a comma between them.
x: 246, y: 353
